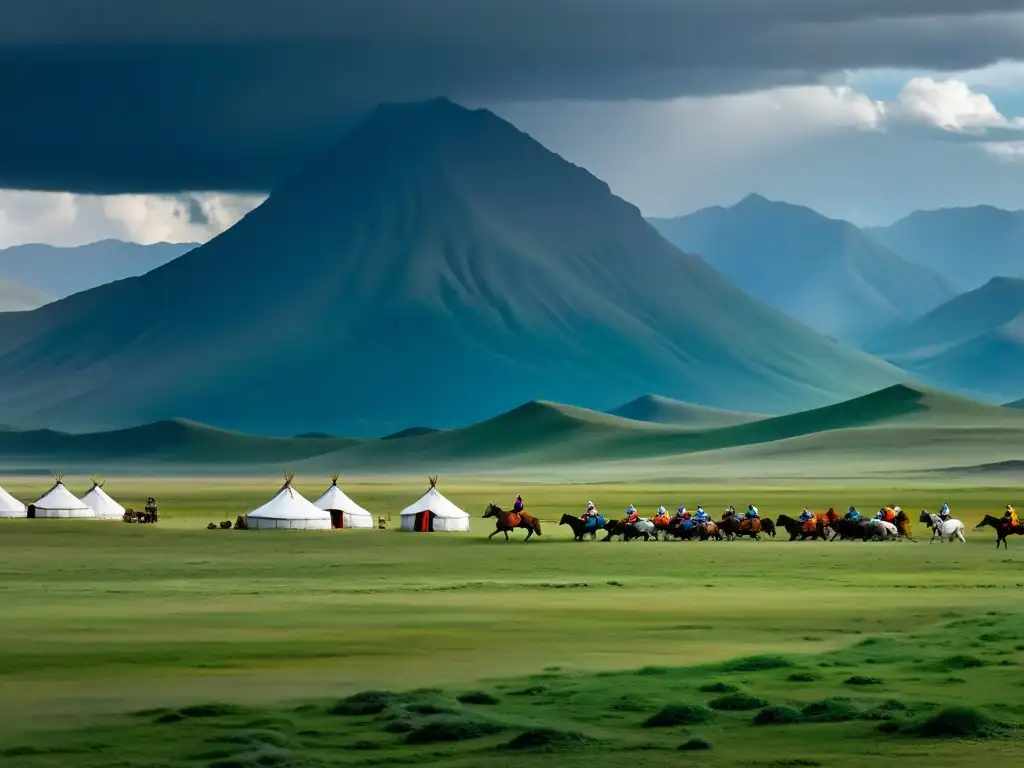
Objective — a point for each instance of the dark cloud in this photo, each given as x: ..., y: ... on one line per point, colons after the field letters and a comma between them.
x: 122, y: 95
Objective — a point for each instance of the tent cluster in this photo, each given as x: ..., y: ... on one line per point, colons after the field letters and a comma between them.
x: 289, y: 509
x: 59, y: 502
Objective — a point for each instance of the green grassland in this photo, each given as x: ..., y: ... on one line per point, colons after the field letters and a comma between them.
x: 116, y: 638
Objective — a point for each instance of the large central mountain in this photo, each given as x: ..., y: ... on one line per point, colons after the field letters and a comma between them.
x: 824, y: 272
x: 438, y: 267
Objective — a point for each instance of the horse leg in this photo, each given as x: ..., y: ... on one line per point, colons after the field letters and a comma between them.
x: 506, y: 535
x: 529, y: 533
x: 496, y: 532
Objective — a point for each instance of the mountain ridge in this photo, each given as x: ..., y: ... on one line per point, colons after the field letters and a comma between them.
x: 824, y: 272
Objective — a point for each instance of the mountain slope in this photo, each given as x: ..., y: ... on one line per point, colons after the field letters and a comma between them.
x: 968, y: 246
x: 61, y: 272
x: 972, y: 344
x: 15, y: 297
x: 824, y: 272
x: 439, y: 266
x: 664, y: 410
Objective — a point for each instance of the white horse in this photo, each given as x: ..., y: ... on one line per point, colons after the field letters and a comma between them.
x: 644, y: 525
x: 941, y: 529
x: 883, y: 529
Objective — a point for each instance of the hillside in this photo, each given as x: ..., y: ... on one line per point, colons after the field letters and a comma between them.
x: 664, y: 410
x: 968, y: 246
x: 60, y: 272
x: 167, y: 443
x: 824, y: 272
x: 15, y: 297
x: 972, y: 344
x: 439, y: 266
x: 539, y: 439
x: 1016, y: 404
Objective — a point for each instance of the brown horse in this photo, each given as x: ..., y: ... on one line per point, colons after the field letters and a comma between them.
x: 902, y: 523
x: 505, y: 521
x: 1003, y: 529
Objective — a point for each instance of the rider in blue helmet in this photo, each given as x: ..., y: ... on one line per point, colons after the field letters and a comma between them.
x: 853, y: 515
x: 751, y: 511
x: 701, y: 516
x: 631, y: 515
x: 944, y: 512
x: 806, y: 515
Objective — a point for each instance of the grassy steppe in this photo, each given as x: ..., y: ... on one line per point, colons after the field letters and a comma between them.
x: 101, y: 621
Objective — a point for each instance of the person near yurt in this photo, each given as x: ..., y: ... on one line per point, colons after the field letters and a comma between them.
x: 104, y: 507
x: 344, y: 512
x: 10, y: 506
x: 433, y: 512
x: 60, y: 502
x: 289, y: 509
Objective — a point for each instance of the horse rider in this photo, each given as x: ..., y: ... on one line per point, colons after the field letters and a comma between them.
x: 518, y: 506
x: 701, y: 516
x: 151, y: 505
x: 632, y: 516
x: 591, y: 512
x: 944, y: 512
x: 682, y: 514
x: 806, y: 515
x: 853, y: 515
x: 1011, y: 516
x: 752, y: 511
x: 662, y: 517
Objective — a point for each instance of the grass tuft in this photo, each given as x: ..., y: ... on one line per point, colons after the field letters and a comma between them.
x: 778, y: 716
x: 679, y: 714
x: 804, y: 677
x: 481, y: 698
x: 833, y: 710
x: 757, y: 664
x: 862, y: 680
x: 959, y: 722
x: 451, y: 728
x: 719, y: 687
x: 365, y: 703
x: 548, y: 739
x: 963, y: 661
x: 694, y: 745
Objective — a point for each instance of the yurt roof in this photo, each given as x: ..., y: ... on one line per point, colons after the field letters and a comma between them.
x: 335, y: 498
x: 8, y: 503
x: 100, y: 501
x: 436, y: 503
x: 289, y: 504
x: 59, y: 497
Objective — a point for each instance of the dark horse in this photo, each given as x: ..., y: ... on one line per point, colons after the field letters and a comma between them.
x: 796, y: 529
x: 1003, y: 529
x: 845, y: 528
x: 627, y: 531
x: 580, y: 528
x: 503, y: 523
x: 733, y: 526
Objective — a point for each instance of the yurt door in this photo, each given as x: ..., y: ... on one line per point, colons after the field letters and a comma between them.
x: 425, y: 521
x: 337, y: 518
x: 31, y: 511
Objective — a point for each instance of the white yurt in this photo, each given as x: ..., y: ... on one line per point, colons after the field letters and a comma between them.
x: 10, y: 506
x: 289, y: 509
x: 344, y: 512
x: 59, y: 502
x: 434, y: 512
x: 104, y: 507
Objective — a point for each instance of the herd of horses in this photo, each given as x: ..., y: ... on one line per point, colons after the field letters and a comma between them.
x: 827, y: 526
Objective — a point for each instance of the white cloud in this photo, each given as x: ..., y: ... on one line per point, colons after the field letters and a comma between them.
x: 62, y: 218
x: 1008, y: 151
x: 950, y: 105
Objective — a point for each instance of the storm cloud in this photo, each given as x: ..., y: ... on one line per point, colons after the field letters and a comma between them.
x: 119, y: 96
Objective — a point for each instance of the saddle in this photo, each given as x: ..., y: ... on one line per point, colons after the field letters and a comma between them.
x: 514, y: 519
x: 811, y: 526
x: 750, y: 524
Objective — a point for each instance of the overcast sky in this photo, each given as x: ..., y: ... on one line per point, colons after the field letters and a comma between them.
x: 168, y: 121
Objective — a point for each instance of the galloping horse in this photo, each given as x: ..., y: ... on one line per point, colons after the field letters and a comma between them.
x: 733, y: 526
x: 941, y: 529
x: 795, y: 528
x: 508, y: 521
x: 642, y: 528
x: 882, y: 529
x: 1003, y: 529
x: 581, y: 528
x: 902, y: 523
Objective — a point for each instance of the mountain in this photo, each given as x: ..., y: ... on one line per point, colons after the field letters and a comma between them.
x: 968, y: 246
x: 824, y: 272
x: 664, y: 410
x: 15, y: 297
x: 61, y: 272
x: 972, y: 344
x: 1016, y: 404
x: 437, y: 267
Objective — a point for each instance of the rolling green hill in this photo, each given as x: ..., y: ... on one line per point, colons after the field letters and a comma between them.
x: 824, y: 272
x: 897, y: 428
x: 438, y: 266
x: 665, y: 410
x: 15, y: 297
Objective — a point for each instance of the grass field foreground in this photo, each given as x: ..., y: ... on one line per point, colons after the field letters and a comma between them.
x: 581, y: 643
